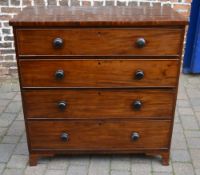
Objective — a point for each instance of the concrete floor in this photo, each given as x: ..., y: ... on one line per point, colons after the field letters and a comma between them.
x: 185, y: 153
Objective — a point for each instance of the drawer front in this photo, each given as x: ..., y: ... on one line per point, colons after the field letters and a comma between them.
x: 127, y: 41
x: 98, y: 73
x: 105, y: 103
x: 99, y: 134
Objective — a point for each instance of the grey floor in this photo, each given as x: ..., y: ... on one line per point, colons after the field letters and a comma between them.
x: 185, y: 153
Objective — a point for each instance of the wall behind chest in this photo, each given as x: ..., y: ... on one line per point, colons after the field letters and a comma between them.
x: 9, y: 8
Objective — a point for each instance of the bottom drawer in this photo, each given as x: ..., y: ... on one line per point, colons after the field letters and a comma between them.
x: 99, y: 134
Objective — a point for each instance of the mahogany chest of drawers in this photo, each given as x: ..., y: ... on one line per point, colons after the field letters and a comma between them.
x: 98, y: 79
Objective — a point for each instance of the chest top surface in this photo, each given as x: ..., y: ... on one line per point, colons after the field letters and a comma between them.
x: 130, y: 16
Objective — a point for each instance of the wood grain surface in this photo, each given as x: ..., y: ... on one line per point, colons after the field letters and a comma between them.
x: 99, y: 134
x: 98, y: 73
x: 98, y: 16
x: 99, y: 41
x: 99, y: 57
x: 91, y: 103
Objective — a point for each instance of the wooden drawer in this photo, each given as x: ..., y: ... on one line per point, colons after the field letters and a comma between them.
x: 96, y: 103
x: 94, y: 41
x: 99, y: 73
x: 99, y: 134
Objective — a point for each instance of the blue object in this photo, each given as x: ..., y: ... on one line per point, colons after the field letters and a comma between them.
x: 191, y: 62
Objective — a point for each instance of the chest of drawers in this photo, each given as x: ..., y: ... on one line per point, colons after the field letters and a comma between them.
x: 99, y: 79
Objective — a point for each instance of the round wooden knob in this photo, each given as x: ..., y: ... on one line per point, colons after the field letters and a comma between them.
x: 62, y: 105
x: 64, y: 136
x: 58, y: 42
x: 140, y: 42
x: 135, y: 136
x: 59, y: 74
x: 137, y: 104
x: 139, y: 74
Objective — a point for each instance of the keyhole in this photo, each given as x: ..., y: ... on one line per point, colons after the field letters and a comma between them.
x: 100, y: 123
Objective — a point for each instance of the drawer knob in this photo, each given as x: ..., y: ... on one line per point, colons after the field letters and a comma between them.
x: 64, y: 136
x: 140, y: 43
x: 137, y: 104
x: 135, y: 136
x: 139, y: 74
x: 62, y: 105
x: 59, y: 74
x: 58, y: 43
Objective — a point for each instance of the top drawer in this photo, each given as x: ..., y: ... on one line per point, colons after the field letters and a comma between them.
x: 101, y: 42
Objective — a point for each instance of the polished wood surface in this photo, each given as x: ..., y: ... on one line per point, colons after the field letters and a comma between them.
x: 77, y: 70
x: 102, y: 103
x: 99, y: 134
x: 93, y: 41
x: 99, y: 73
x: 98, y: 16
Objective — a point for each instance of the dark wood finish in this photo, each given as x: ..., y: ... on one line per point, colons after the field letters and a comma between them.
x: 35, y: 155
x: 33, y: 158
x: 98, y: 103
x: 164, y: 154
x: 177, y: 87
x: 98, y: 16
x: 93, y: 41
x: 99, y: 134
x: 98, y: 73
x: 89, y: 55
x: 165, y: 158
